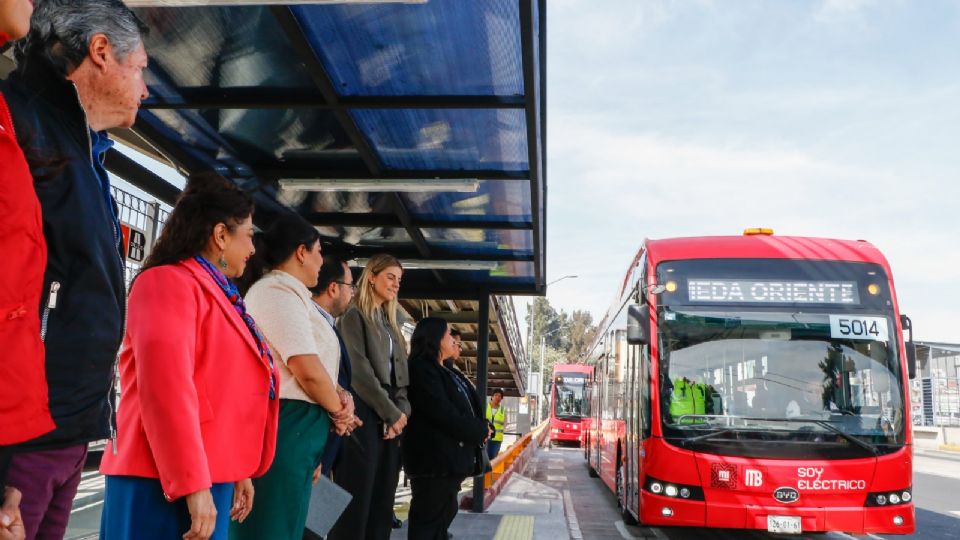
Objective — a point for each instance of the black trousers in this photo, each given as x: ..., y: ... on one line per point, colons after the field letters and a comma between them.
x: 433, y: 507
x: 369, y: 471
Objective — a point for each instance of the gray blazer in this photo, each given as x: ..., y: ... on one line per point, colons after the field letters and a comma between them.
x: 369, y: 347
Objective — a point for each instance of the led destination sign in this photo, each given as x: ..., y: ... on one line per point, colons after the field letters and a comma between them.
x: 767, y: 291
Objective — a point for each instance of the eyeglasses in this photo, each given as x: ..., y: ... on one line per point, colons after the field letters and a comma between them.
x: 351, y: 285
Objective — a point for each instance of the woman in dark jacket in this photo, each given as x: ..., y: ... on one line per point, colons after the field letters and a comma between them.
x: 446, y: 429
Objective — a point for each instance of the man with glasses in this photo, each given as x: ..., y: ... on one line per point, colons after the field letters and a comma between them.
x: 332, y: 294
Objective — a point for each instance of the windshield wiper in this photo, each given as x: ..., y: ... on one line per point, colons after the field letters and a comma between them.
x: 855, y: 440
x: 830, y: 427
x: 705, y: 436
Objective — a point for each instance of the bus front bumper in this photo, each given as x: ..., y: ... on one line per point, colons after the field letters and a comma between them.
x: 557, y: 434
x: 671, y: 511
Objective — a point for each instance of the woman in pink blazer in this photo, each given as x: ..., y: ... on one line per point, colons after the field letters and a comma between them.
x: 198, y: 411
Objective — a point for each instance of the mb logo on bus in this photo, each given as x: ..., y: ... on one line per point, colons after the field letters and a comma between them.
x: 752, y: 478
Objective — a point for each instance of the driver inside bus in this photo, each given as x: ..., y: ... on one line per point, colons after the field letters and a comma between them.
x: 810, y: 401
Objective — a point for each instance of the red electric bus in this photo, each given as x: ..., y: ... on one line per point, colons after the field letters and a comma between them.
x: 755, y: 382
x: 569, y: 403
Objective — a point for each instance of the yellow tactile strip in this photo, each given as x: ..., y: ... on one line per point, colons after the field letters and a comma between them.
x: 515, y: 528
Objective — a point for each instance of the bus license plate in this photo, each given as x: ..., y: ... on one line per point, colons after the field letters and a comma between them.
x: 784, y: 524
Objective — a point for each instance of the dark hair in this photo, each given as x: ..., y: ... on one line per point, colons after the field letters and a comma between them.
x: 288, y: 232
x: 425, y: 343
x: 207, y: 200
x: 498, y: 391
x: 331, y: 271
x: 454, y: 331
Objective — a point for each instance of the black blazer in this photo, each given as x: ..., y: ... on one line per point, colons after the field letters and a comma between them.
x: 444, y: 433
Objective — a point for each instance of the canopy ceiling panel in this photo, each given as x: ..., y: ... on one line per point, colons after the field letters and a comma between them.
x: 466, y: 139
x: 437, y: 48
x: 434, y: 109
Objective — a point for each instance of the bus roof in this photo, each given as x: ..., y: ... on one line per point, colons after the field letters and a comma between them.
x: 763, y: 247
x: 572, y: 368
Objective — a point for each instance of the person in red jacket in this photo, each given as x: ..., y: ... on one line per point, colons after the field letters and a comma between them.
x: 198, y: 414
x: 24, y: 412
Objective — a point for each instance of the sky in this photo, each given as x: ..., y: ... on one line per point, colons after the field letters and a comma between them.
x: 830, y: 118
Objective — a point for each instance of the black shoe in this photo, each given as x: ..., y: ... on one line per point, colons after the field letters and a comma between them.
x: 396, y: 522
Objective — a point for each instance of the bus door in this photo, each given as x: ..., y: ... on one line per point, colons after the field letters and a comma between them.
x: 632, y: 468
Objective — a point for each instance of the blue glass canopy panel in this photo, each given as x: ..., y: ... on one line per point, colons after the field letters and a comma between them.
x: 480, y: 241
x: 219, y: 47
x: 452, y: 139
x: 440, y: 47
x: 512, y: 273
x: 505, y: 200
x: 385, y: 237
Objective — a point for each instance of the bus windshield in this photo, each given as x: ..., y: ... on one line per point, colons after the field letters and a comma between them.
x: 569, y: 396
x: 781, y: 376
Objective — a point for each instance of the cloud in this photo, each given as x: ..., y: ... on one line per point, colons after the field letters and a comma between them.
x: 611, y: 190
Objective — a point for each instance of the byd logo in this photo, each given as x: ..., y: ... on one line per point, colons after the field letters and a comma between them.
x: 786, y: 495
x: 753, y: 478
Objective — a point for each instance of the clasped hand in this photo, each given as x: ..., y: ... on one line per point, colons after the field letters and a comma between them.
x: 345, y: 420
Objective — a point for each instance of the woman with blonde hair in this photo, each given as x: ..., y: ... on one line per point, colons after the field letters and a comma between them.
x: 370, y: 462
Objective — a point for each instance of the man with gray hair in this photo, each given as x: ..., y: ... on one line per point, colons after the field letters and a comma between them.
x: 79, y: 73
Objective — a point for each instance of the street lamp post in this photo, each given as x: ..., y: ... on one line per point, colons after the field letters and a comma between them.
x: 530, y: 339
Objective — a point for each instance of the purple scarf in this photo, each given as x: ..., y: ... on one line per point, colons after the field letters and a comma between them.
x: 232, y: 294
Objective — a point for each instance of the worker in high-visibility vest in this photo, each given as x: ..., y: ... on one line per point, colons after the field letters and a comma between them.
x: 688, y: 398
x: 497, y: 417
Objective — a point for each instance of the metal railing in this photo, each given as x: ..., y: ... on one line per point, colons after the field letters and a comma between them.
x: 141, y: 214
x: 935, y: 401
x: 507, y: 316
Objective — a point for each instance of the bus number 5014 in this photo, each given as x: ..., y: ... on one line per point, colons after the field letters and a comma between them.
x: 864, y: 328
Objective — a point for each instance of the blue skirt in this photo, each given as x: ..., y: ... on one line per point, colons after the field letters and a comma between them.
x: 135, y: 509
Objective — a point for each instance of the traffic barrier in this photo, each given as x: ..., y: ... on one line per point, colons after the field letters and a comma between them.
x: 513, y: 460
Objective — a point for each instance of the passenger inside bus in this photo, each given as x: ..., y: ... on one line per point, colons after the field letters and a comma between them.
x: 811, y: 401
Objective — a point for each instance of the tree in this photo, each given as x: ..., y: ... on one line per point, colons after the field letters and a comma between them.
x: 546, y: 323
x: 580, y: 332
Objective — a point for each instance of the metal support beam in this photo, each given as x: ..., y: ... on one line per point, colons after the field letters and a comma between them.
x: 324, y: 82
x: 490, y: 354
x: 483, y: 344
x: 471, y: 317
x: 141, y: 177
x: 531, y: 80
x: 339, y: 219
x: 323, y: 170
x: 296, y: 98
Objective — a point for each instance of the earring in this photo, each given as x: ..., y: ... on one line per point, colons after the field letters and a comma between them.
x: 222, y: 261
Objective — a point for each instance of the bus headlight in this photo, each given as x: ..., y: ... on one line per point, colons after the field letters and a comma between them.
x: 886, y: 498
x: 670, y: 489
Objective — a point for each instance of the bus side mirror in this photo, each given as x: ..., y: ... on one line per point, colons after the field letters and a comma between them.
x: 909, y: 346
x: 638, y: 324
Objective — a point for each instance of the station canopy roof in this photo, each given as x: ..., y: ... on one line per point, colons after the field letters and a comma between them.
x: 412, y: 128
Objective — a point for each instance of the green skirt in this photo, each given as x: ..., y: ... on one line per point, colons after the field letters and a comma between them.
x: 282, y: 496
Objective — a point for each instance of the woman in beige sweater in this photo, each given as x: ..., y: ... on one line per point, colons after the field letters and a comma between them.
x: 287, y: 262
